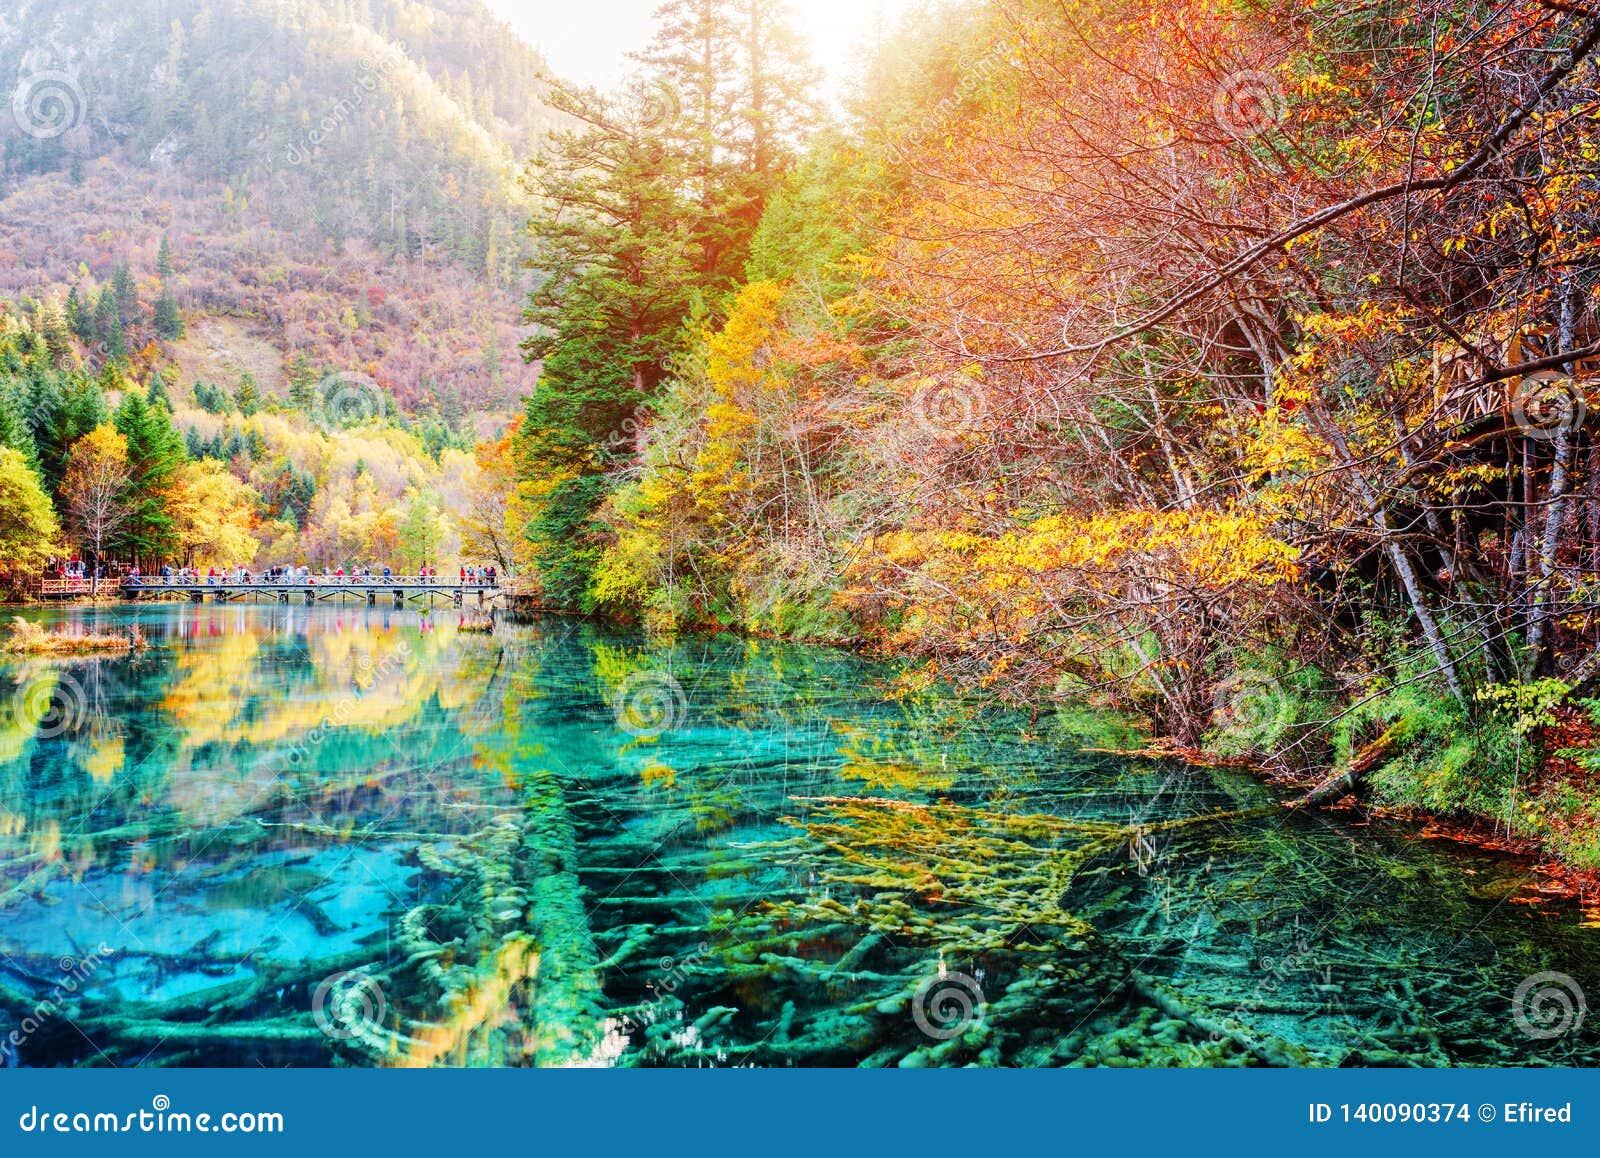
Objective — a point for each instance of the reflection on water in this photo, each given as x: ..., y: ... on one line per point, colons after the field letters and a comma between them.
x: 309, y: 836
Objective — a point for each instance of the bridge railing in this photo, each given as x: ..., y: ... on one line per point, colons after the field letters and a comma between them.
x: 57, y: 587
x: 204, y: 582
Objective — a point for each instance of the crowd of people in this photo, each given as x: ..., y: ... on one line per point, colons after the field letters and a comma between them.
x: 487, y: 576
x: 75, y: 569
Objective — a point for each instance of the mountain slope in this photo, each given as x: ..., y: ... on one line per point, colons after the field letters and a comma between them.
x: 340, y: 178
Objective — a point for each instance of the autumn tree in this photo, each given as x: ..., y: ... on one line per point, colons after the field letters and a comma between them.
x: 28, y: 527
x: 650, y: 202
x: 491, y: 528
x: 95, y: 490
x: 213, y: 515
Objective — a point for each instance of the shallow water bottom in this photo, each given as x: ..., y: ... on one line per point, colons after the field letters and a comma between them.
x: 290, y: 836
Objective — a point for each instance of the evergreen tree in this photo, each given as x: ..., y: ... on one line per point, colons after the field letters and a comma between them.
x: 164, y: 266
x: 303, y: 383
x: 247, y: 396
x: 80, y: 319
x: 730, y: 96
x: 60, y: 409
x: 53, y: 328
x: 156, y: 394
x: 156, y: 452
x: 14, y: 432
x: 671, y: 184
x: 212, y: 399
x: 108, y: 326
x: 168, y: 317
x: 122, y: 284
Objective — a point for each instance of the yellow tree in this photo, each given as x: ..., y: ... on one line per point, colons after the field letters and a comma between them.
x: 95, y: 490
x: 492, y: 527
x: 28, y: 529
x: 215, y: 515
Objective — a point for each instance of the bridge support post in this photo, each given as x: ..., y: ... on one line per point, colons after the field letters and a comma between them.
x: 311, y: 597
x: 372, y: 597
x: 399, y: 600
x: 197, y: 597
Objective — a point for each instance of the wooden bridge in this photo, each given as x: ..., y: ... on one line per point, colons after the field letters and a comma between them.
x: 397, y: 591
x: 70, y: 588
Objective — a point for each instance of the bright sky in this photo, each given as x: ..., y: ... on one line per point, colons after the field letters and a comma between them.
x: 589, y: 40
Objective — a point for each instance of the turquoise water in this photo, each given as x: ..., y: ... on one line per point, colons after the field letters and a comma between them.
x: 294, y: 836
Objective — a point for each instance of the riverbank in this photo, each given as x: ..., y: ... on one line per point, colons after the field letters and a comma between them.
x: 1520, y: 774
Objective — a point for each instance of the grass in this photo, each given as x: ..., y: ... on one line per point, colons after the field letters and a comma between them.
x: 27, y: 638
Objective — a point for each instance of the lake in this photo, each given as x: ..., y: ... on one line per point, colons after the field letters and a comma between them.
x: 305, y: 836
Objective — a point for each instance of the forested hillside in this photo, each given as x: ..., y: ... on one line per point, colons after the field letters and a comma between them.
x: 258, y: 271
x: 341, y: 178
x: 1229, y: 361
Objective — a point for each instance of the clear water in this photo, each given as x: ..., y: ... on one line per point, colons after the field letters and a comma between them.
x: 293, y: 836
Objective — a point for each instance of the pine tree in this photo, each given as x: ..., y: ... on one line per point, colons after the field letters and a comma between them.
x: 168, y: 317
x: 53, y: 328
x: 157, y: 394
x: 671, y: 184
x: 729, y: 95
x: 164, y: 267
x: 14, y: 432
x: 302, y: 383
x: 108, y: 326
x: 80, y: 319
x: 247, y: 396
x: 59, y: 409
x: 122, y: 284
x: 156, y: 452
